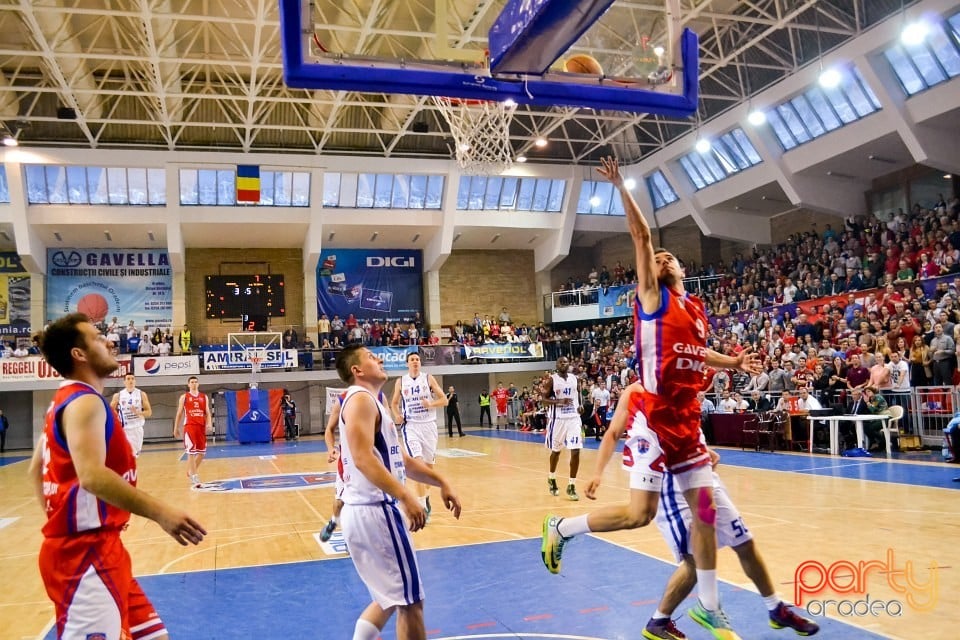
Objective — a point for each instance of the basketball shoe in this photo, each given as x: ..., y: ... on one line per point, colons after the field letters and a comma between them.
x: 783, y: 616
x: 551, y: 548
x: 662, y: 629
x: 572, y: 493
x: 716, y: 622
x: 328, y: 530
x: 195, y: 480
x: 552, y: 484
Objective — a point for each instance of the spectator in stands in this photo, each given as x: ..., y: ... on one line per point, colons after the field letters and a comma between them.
x: 290, y: 338
x: 872, y: 430
x: 727, y: 404
x: 323, y: 328
x: 942, y: 349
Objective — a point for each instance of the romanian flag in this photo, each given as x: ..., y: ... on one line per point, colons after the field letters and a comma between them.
x: 248, y: 183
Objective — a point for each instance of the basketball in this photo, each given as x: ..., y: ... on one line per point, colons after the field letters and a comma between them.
x: 582, y: 63
x: 94, y: 306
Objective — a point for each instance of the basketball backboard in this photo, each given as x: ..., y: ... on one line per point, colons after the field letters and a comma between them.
x: 515, y: 55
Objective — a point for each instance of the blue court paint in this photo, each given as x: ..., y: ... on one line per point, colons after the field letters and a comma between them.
x: 874, y: 469
x: 604, y: 591
x: 8, y: 460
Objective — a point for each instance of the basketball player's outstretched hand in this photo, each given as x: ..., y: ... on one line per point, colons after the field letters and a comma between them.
x: 610, y: 170
x: 749, y: 362
x: 451, y: 501
x: 181, y: 527
x: 416, y: 514
x: 592, y: 486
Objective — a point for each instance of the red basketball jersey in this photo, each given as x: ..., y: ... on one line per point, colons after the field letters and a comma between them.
x: 70, y: 509
x: 195, y: 409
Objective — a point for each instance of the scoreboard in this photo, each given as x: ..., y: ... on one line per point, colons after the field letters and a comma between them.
x: 239, y: 297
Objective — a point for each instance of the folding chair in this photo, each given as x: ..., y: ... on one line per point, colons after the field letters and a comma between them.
x: 760, y: 425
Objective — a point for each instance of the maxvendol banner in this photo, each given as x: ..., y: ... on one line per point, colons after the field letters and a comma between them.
x: 385, y: 284
x: 167, y: 366
x: 14, y: 296
x: 220, y: 359
x: 508, y: 351
x: 36, y: 368
x: 129, y: 284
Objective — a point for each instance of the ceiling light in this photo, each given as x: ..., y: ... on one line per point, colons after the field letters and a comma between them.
x: 630, y: 184
x: 509, y: 102
x: 10, y: 141
x: 702, y: 146
x: 830, y: 78
x: 595, y: 201
x: 914, y: 33
x: 658, y: 51
x: 757, y: 117
x: 374, y: 236
x: 947, y: 176
x: 540, y: 142
x: 521, y: 159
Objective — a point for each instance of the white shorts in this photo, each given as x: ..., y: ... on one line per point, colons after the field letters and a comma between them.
x: 135, y: 438
x: 674, y: 519
x: 421, y: 438
x: 338, y: 487
x: 564, y: 432
x: 643, y: 458
x: 382, y: 552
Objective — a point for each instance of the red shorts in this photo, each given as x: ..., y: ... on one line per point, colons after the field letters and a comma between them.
x: 195, y: 438
x: 677, y: 425
x: 90, y: 581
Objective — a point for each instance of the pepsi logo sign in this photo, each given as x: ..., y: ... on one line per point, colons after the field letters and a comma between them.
x: 151, y: 366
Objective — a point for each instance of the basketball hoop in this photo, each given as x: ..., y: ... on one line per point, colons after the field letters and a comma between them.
x: 481, y: 133
x: 256, y: 358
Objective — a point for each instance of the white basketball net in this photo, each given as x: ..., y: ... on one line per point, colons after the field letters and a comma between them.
x: 481, y: 133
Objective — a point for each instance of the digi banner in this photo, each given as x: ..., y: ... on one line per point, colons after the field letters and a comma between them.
x: 33, y: 368
x: 153, y: 366
x: 509, y: 351
x: 131, y: 284
x: 221, y: 359
x: 385, y: 284
x: 617, y: 302
x: 14, y: 296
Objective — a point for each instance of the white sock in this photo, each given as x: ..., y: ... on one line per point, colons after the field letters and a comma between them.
x: 423, y: 501
x: 707, y: 589
x: 569, y: 527
x: 572, y: 482
x: 552, y: 476
x: 365, y: 630
x: 772, y: 601
x: 660, y: 615
x: 333, y: 519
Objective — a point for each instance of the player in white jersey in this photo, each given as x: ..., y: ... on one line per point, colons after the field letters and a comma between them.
x: 674, y: 520
x: 416, y: 397
x: 379, y: 511
x: 134, y: 408
x: 561, y: 392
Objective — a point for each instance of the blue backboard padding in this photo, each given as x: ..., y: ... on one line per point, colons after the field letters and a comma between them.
x: 347, y: 75
x: 529, y: 35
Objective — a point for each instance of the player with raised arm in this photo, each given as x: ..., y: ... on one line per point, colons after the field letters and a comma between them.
x: 85, y: 477
x: 134, y: 408
x: 416, y: 397
x: 561, y: 393
x: 379, y: 511
x: 664, y: 417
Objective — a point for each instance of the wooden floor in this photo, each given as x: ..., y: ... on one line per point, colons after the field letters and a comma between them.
x: 795, y: 517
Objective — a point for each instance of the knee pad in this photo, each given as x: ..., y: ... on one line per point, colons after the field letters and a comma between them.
x: 706, y: 509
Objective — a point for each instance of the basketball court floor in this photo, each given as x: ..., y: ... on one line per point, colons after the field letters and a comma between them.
x: 262, y: 572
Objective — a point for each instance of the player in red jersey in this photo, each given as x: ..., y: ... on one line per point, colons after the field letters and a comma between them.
x: 195, y: 408
x: 664, y: 418
x: 85, y: 475
x: 501, y: 396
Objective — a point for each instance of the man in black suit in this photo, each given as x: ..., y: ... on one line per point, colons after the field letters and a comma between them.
x: 759, y: 402
x: 857, y: 406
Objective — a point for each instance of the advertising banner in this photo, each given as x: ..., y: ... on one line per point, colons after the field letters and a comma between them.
x: 221, y: 359
x: 393, y: 357
x: 332, y: 393
x: 131, y: 284
x: 509, y: 351
x: 14, y: 296
x: 384, y: 284
x: 36, y: 368
x: 617, y: 302
x: 440, y: 355
x: 167, y: 366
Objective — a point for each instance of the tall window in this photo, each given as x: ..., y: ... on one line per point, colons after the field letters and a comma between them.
x: 926, y: 64
x: 599, y: 198
x: 382, y: 191
x: 820, y: 110
x: 496, y: 193
x: 661, y: 193
x: 70, y: 184
x: 4, y: 187
x: 729, y: 154
x: 218, y: 187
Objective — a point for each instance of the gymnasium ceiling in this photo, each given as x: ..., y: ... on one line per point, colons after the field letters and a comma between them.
x: 206, y: 74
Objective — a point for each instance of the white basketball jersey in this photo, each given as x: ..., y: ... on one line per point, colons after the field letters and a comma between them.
x: 386, y: 445
x: 414, y: 393
x: 127, y: 402
x: 566, y: 388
